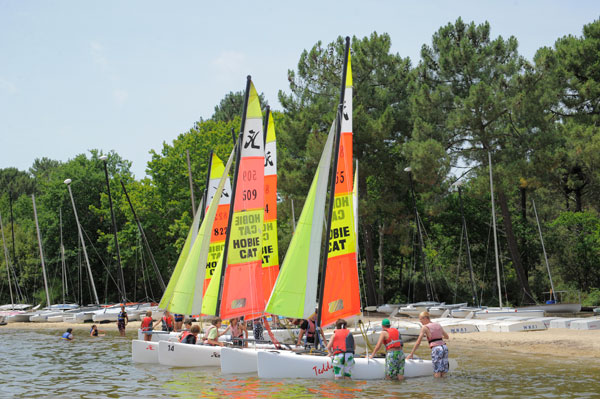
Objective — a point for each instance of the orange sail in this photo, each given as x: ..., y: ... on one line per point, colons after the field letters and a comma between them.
x: 341, y: 295
x: 270, y: 250
x: 242, y: 293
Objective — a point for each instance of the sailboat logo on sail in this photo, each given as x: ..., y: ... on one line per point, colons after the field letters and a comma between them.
x: 251, y: 137
x: 268, y: 160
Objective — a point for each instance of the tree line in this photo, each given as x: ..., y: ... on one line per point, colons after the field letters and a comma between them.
x: 469, y: 99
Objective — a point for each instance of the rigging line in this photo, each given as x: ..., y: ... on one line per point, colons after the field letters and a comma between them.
x: 105, y: 266
x: 140, y: 258
x: 135, y: 276
x: 503, y: 273
x: 428, y: 272
x: 459, y: 259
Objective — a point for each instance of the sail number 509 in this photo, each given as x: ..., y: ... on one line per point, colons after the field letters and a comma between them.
x: 248, y: 195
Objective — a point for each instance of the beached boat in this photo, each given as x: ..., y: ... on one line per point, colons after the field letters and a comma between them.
x: 588, y: 323
x: 517, y: 325
x: 507, y: 312
x: 562, y: 322
x: 52, y: 310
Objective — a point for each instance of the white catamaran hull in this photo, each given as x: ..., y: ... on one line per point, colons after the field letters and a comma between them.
x: 175, y: 354
x: 280, y: 364
x: 144, y: 351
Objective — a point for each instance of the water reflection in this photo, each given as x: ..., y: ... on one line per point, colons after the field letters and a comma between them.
x: 38, y: 364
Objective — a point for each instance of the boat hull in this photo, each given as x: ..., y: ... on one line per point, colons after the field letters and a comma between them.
x: 590, y: 323
x: 144, y: 351
x: 555, y: 307
x: 175, y: 354
x: 486, y: 314
x: 279, y: 364
x: 239, y: 361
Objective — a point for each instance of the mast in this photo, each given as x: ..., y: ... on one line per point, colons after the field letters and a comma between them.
x: 419, y: 234
x: 39, y: 236
x: 12, y: 231
x: 464, y: 222
x: 12, y: 301
x: 544, y: 249
x: 205, y: 194
x: 238, y: 156
x: 87, y: 261
x: 114, y: 225
x: 336, y: 144
x: 494, y: 229
x: 187, y: 153
x: 139, y: 225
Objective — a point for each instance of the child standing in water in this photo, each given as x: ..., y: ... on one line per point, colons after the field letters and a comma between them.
x: 435, y: 335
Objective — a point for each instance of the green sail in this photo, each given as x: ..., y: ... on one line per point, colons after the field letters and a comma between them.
x: 295, y: 291
x: 211, y: 296
x: 187, y: 295
x: 189, y: 241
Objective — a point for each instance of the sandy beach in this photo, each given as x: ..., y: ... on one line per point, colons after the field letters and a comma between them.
x: 557, y: 341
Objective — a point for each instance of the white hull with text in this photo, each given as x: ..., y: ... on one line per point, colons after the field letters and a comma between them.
x: 281, y: 364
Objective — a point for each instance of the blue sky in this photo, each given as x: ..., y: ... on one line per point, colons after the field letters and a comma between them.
x: 130, y: 75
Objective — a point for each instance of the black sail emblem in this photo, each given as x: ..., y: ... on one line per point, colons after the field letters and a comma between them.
x: 268, y: 160
x: 251, y: 137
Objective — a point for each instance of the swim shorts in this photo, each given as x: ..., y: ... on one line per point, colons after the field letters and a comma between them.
x: 394, y: 364
x: 342, y: 364
x: 439, y: 358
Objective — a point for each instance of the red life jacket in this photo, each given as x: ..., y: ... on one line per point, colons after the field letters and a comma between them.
x: 393, y: 341
x: 343, y: 341
x: 185, y: 334
x: 147, y: 324
x: 168, y: 321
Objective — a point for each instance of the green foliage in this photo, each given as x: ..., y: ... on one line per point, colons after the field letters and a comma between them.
x: 471, y: 93
x: 576, y: 241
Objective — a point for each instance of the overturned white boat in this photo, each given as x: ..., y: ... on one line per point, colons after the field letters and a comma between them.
x: 588, y: 323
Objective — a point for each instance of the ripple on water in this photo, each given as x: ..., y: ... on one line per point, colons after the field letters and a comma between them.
x: 38, y: 364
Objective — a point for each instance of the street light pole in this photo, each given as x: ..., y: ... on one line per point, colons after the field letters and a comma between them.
x: 421, y: 253
x: 114, y: 223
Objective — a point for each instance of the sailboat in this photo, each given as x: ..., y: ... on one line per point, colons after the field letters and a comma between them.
x: 236, y: 288
x: 183, y: 294
x: 294, y: 294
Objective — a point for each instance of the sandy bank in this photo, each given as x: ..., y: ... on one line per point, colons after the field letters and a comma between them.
x: 558, y: 341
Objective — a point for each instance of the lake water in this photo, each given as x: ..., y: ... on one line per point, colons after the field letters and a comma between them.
x: 38, y: 364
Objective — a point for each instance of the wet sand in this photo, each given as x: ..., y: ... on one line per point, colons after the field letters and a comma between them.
x: 556, y: 341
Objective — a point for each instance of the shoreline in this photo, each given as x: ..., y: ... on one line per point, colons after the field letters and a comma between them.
x: 562, y: 342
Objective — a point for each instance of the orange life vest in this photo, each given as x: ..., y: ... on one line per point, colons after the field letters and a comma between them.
x: 168, y: 321
x: 393, y: 341
x: 343, y: 341
x: 185, y: 334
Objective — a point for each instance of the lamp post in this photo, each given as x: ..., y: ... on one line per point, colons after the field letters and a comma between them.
x: 458, y: 184
x: 421, y: 254
x: 85, y: 255
x: 114, y: 223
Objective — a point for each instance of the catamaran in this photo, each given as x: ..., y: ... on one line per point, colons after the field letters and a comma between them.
x: 295, y: 291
